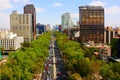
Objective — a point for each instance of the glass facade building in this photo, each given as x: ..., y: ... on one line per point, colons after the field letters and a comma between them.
x: 91, y: 23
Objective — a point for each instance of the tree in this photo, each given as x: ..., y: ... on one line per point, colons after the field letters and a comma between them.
x: 75, y: 76
x: 114, y: 47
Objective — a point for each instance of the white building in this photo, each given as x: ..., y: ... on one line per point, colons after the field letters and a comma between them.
x: 21, y: 24
x: 10, y: 41
x: 66, y: 21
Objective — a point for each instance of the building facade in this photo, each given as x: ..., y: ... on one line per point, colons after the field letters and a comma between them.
x: 40, y: 28
x: 66, y: 22
x: 10, y: 41
x: 30, y: 9
x: 47, y: 27
x: 21, y: 24
x: 91, y: 23
x: 110, y: 33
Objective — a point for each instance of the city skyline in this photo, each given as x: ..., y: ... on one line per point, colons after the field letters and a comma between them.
x: 50, y: 12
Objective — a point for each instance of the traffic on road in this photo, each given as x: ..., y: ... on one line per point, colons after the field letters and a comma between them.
x: 54, y: 65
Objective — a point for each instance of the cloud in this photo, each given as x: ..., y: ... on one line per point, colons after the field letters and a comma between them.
x: 39, y: 9
x: 5, y: 4
x: 97, y: 3
x: 112, y: 10
x: 57, y: 4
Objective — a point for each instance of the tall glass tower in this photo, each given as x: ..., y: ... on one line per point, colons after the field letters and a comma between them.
x: 66, y: 21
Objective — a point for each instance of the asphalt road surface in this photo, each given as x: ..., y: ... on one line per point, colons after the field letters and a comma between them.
x: 54, y: 65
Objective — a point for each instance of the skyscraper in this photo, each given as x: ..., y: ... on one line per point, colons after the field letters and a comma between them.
x: 31, y: 9
x: 20, y: 24
x: 91, y: 23
x: 66, y: 21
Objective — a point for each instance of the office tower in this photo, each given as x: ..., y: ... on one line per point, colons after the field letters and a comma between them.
x: 20, y: 24
x: 91, y: 23
x: 30, y: 9
x: 66, y: 22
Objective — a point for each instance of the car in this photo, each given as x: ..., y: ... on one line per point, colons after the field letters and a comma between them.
x: 47, y: 79
x: 48, y: 72
x: 58, y: 73
x: 63, y: 75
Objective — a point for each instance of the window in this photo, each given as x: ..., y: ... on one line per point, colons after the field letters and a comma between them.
x: 20, y: 19
x: 27, y: 19
x: 23, y: 19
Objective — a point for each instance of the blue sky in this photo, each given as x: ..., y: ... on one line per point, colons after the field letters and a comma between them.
x: 50, y: 11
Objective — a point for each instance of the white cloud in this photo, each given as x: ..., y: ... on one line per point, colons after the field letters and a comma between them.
x: 5, y: 4
x: 97, y: 3
x: 39, y: 9
x: 112, y: 10
x: 57, y: 4
x: 4, y: 21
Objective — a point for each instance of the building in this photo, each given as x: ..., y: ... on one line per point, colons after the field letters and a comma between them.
x: 47, y: 28
x: 91, y: 23
x: 117, y: 31
x: 40, y: 28
x: 60, y: 27
x: 21, y: 25
x: 109, y: 33
x: 10, y: 41
x: 30, y: 9
x: 103, y: 52
x: 66, y: 22
x: 75, y: 33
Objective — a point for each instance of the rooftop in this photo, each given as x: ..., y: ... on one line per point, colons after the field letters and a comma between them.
x: 91, y: 7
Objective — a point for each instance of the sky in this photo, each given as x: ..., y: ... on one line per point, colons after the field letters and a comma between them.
x: 50, y: 11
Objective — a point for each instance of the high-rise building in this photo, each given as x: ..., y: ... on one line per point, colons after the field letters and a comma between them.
x: 91, y: 23
x: 30, y: 9
x: 20, y: 24
x: 66, y: 22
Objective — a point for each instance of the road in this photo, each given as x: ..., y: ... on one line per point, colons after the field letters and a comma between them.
x: 54, y: 65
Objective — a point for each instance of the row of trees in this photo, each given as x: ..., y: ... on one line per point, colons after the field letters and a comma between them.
x: 28, y: 62
x: 81, y: 63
